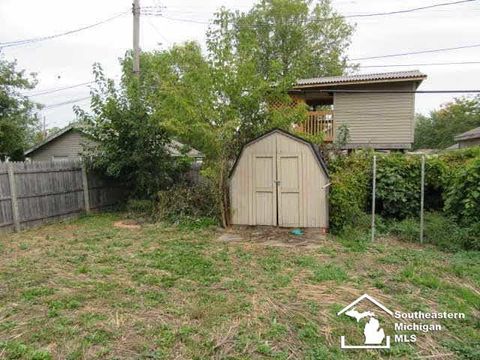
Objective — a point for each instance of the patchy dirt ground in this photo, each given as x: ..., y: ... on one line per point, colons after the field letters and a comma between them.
x: 273, y: 236
x: 127, y: 224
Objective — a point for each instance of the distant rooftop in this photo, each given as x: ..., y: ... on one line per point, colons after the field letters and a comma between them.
x: 471, y: 134
x: 414, y: 75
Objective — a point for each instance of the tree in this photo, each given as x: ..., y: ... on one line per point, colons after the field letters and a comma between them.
x: 18, y: 121
x: 254, y: 59
x: 219, y: 100
x: 131, y: 144
x: 438, y: 129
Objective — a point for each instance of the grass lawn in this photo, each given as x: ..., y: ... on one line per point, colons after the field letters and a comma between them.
x: 86, y: 290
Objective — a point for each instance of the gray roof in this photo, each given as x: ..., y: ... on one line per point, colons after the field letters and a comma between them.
x: 470, y: 134
x: 175, y: 147
x: 414, y: 75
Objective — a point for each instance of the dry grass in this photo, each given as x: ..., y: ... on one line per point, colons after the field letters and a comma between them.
x: 89, y: 290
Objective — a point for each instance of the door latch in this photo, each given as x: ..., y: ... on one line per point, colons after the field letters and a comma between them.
x: 276, y: 182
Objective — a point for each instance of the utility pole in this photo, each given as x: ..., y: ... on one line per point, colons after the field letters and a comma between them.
x: 136, y: 36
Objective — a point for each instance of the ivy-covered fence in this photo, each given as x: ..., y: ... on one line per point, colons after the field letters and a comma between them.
x: 452, y: 187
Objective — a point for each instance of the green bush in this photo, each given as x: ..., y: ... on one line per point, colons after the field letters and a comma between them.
x: 187, y: 202
x: 462, y: 200
x: 452, y: 184
x: 398, y: 186
x: 439, y: 230
x: 406, y: 229
x: 144, y: 208
x: 348, y: 195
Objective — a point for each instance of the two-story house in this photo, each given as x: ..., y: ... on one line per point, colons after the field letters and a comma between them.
x: 377, y: 109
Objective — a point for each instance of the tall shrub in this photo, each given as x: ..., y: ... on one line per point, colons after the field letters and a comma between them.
x: 398, y: 186
x: 349, y: 192
x: 463, y: 196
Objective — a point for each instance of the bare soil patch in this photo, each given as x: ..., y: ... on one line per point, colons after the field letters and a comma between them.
x: 127, y: 224
x: 273, y: 236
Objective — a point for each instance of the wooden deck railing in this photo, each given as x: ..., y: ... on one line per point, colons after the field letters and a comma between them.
x: 319, y: 122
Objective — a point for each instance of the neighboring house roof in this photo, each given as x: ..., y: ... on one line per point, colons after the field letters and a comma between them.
x: 50, y: 138
x: 413, y: 75
x: 175, y: 146
x: 314, y: 148
x: 176, y: 149
x: 471, y: 134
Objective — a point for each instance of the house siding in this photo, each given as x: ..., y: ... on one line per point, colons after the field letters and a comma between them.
x: 469, y: 143
x: 67, y: 145
x: 380, y: 120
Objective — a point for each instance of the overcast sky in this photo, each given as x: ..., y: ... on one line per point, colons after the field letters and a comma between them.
x: 68, y: 60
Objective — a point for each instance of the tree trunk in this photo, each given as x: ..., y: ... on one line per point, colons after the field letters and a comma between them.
x: 223, y: 194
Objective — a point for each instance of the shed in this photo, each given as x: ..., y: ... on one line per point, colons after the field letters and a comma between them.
x: 279, y: 179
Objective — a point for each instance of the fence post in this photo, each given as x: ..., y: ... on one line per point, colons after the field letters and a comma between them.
x: 422, y: 198
x: 374, y: 186
x: 86, y: 196
x: 13, y: 196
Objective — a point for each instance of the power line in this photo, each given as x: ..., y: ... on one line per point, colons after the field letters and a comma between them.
x: 348, y: 91
x: 418, y: 52
x: 151, y: 11
x: 421, y: 64
x: 50, y: 91
x: 72, y: 101
x: 410, y: 10
x: 49, y: 37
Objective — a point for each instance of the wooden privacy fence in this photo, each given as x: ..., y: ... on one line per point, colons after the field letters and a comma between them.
x: 32, y: 193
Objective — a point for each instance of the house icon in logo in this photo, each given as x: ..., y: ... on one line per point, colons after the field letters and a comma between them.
x: 373, y: 332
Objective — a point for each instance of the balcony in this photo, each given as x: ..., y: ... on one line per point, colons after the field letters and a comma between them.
x: 319, y: 122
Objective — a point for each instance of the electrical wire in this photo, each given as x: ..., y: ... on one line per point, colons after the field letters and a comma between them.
x: 409, y: 10
x: 72, y: 101
x: 151, y: 11
x: 49, y: 37
x: 351, y: 91
x: 417, y: 52
x: 50, y: 91
x: 420, y: 64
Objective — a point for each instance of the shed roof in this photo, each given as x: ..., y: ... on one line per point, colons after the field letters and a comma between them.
x: 470, y: 134
x: 412, y: 75
x: 314, y: 148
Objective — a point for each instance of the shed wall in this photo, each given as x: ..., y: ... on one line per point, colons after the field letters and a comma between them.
x: 312, y: 205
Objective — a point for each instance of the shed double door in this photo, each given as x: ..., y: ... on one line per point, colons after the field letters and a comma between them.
x: 277, y: 194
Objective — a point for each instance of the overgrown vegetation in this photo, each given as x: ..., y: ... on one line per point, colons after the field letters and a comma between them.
x: 452, y: 190
x: 440, y: 230
x: 89, y: 290
x: 19, y: 122
x: 218, y: 99
x: 129, y: 144
x: 438, y: 129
